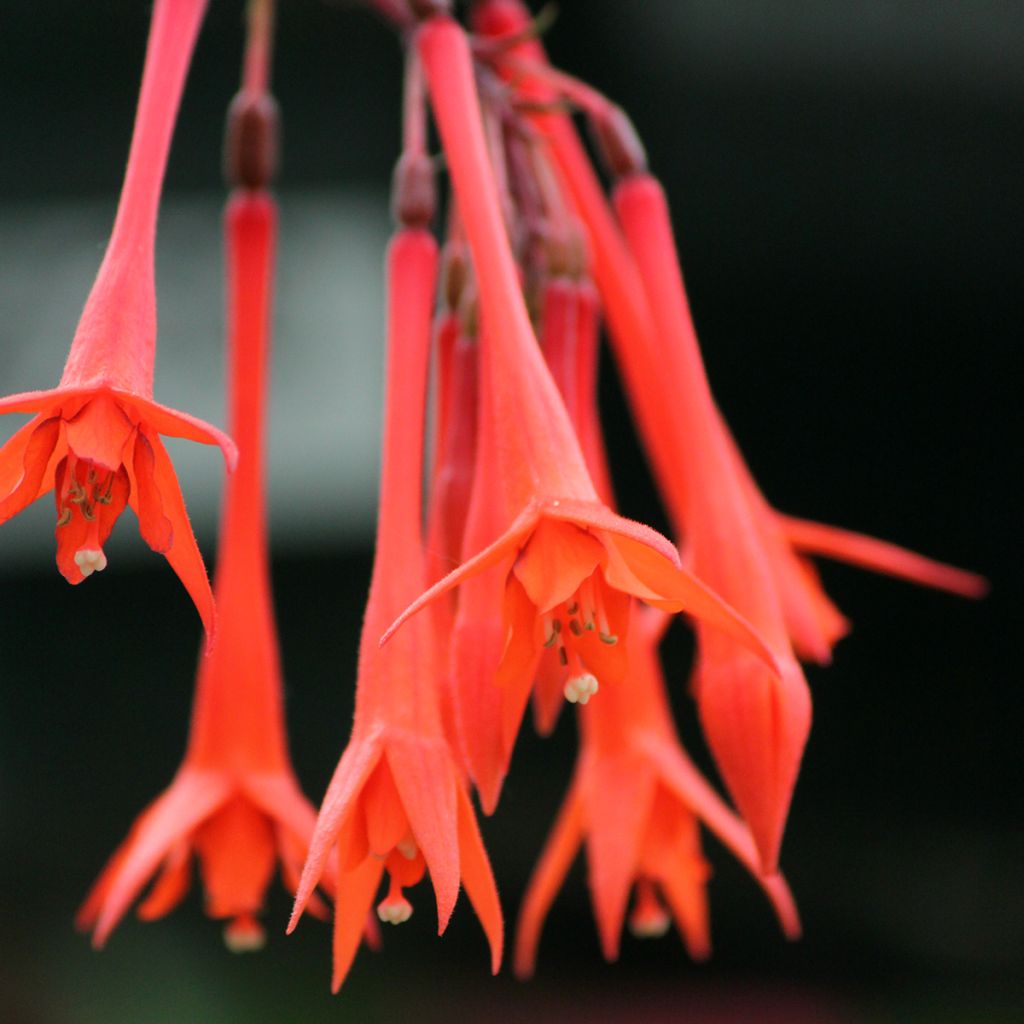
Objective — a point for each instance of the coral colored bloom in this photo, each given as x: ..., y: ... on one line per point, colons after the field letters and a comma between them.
x: 563, y: 562
x: 235, y: 803
x: 95, y: 439
x: 635, y: 801
x: 397, y: 801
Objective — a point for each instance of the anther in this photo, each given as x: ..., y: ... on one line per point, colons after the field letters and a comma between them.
x: 579, y: 689
x: 407, y: 848
x: 577, y: 629
x: 608, y: 638
x: 563, y: 657
x: 90, y: 560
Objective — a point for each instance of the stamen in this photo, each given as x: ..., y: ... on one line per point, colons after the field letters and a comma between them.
x: 608, y: 638
x: 579, y: 689
x: 89, y: 560
x: 563, y: 657
x: 577, y: 629
x: 244, y: 934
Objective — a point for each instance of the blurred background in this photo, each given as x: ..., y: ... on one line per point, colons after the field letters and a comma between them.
x: 846, y: 184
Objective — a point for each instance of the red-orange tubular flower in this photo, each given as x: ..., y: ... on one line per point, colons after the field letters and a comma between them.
x: 397, y: 801
x: 95, y: 439
x: 558, y: 553
x: 234, y: 803
x: 636, y: 800
x: 757, y: 723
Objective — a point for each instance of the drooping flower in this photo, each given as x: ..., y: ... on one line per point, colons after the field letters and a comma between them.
x: 234, y: 804
x: 636, y: 801
x: 95, y: 439
x: 563, y: 562
x: 397, y: 801
x: 757, y: 722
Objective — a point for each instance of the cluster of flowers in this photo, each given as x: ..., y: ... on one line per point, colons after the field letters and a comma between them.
x: 512, y: 579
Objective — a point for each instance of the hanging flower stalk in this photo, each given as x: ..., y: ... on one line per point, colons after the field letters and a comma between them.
x: 756, y: 721
x: 95, y: 439
x: 234, y: 805
x: 555, y: 552
x: 397, y: 802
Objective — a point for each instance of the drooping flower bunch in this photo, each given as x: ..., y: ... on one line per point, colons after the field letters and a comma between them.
x: 509, y: 577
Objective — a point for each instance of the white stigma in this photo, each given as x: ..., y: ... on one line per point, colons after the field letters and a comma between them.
x: 244, y: 936
x: 580, y: 689
x: 90, y: 560
x: 394, y: 911
x: 650, y: 925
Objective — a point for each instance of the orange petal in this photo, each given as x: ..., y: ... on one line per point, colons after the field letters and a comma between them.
x: 505, y: 547
x: 557, y: 558
x: 548, y: 693
x: 555, y: 861
x: 619, y: 796
x: 237, y: 853
x: 386, y: 821
x: 99, y: 431
x: 757, y: 727
x: 34, y: 401
x: 684, y: 886
x: 170, y: 888
x: 172, y: 423
x: 356, y: 890
x: 24, y: 461
x: 183, y: 554
x: 679, y: 775
x: 881, y: 556
x: 478, y: 878
x: 425, y: 777
x: 637, y: 570
x: 358, y: 760
x: 154, y: 526
x: 478, y: 639
x: 191, y: 798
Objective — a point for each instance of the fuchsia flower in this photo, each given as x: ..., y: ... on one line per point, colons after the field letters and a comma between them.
x: 235, y: 803
x: 95, y: 439
x: 636, y: 800
x: 397, y: 801
x: 756, y: 721
x: 559, y: 556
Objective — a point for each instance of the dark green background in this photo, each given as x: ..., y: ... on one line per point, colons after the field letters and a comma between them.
x: 846, y: 184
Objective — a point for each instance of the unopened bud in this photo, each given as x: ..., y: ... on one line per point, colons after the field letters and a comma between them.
x: 619, y: 143
x: 251, y: 141
x: 413, y: 191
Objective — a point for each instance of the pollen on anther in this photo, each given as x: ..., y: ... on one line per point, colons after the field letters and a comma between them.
x: 579, y: 689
